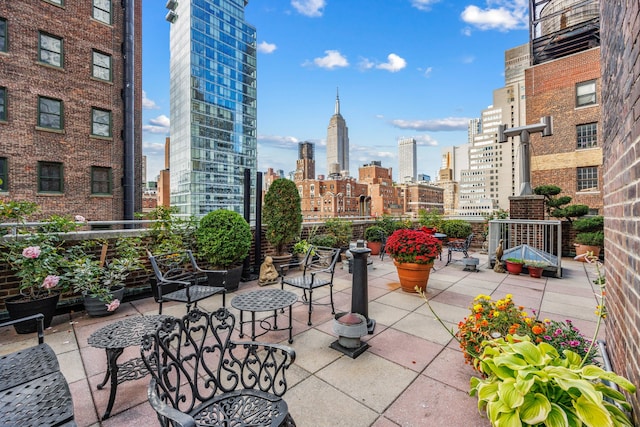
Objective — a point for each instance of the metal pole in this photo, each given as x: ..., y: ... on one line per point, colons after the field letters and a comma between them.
x: 129, y: 187
x: 360, y: 283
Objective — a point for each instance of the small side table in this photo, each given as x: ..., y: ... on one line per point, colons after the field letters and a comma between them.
x: 114, y: 338
x: 264, y: 300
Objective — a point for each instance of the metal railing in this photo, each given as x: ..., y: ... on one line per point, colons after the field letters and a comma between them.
x: 545, y: 236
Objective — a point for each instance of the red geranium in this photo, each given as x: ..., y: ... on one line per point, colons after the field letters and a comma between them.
x: 416, y: 246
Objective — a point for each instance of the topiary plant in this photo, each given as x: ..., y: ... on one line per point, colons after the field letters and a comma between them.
x: 590, y: 230
x: 223, y: 238
x: 282, y: 214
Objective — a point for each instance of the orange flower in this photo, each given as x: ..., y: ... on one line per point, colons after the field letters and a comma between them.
x: 537, y: 329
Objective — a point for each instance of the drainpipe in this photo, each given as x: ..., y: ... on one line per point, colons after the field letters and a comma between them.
x: 128, y: 184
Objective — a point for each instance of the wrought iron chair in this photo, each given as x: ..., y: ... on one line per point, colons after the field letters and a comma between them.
x: 199, y: 376
x: 383, y: 246
x: 459, y: 246
x: 178, y: 278
x: 318, y: 267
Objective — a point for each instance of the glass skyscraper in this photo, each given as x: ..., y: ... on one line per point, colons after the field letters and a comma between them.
x: 213, y: 105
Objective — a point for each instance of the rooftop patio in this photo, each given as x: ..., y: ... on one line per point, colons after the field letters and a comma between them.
x: 413, y: 373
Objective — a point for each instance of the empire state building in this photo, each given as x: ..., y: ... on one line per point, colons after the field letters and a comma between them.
x: 337, y: 144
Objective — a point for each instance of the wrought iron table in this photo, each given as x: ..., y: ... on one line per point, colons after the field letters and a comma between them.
x: 264, y: 300
x: 114, y: 338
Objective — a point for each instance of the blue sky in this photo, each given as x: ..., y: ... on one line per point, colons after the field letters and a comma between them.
x: 404, y: 68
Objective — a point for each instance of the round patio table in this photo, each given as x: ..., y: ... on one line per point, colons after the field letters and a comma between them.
x: 264, y: 300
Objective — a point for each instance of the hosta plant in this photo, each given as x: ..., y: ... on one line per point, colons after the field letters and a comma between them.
x: 529, y: 384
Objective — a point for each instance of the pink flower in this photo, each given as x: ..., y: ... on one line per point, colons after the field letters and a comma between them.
x: 32, y: 252
x: 113, y: 305
x: 80, y: 218
x: 50, y: 282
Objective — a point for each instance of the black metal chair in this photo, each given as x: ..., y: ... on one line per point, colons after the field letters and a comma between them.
x: 459, y: 246
x: 199, y: 376
x: 318, y: 267
x: 178, y: 278
x: 383, y: 246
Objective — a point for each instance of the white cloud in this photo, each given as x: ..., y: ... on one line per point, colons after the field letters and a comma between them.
x: 468, y: 59
x: 151, y: 148
x: 159, y: 125
x: 446, y: 124
x: 394, y: 63
x: 147, y: 103
x: 466, y: 31
x: 331, y: 60
x: 264, y: 47
x: 311, y: 8
x: 502, y: 15
x: 425, y: 140
x: 426, y: 71
x: 365, y: 64
x: 423, y: 4
x: 289, y: 142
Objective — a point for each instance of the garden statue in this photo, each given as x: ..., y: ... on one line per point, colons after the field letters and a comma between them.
x: 497, y: 267
x: 268, y: 273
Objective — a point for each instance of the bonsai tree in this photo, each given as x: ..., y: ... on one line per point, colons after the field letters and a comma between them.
x: 223, y: 238
x: 558, y: 207
x: 341, y: 229
x: 456, y: 228
x: 282, y: 214
x: 590, y: 231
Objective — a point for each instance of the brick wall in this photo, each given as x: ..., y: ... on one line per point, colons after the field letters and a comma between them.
x: 25, y: 79
x: 620, y: 33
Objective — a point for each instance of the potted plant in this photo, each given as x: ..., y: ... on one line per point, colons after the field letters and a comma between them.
x: 431, y: 218
x: 341, y: 229
x: 101, y: 281
x: 224, y: 239
x: 282, y: 217
x: 514, y: 265
x: 534, y: 267
x: 456, y: 228
x: 37, y: 261
x: 324, y: 240
x: 413, y: 253
x: 374, y: 235
x: 590, y: 237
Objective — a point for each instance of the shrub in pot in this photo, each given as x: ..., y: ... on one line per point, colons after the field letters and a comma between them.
x: 590, y: 237
x: 224, y: 238
x: 373, y: 235
x: 282, y: 217
x: 324, y: 240
x: 456, y: 228
x: 341, y: 229
x: 514, y: 265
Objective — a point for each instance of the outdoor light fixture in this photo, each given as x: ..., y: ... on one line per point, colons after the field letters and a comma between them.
x: 545, y: 127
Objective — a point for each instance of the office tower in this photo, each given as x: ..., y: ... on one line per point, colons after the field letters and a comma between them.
x: 407, y: 160
x: 70, y: 87
x: 337, y: 143
x: 306, y: 164
x: 213, y: 105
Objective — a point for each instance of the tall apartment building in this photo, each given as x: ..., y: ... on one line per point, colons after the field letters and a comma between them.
x: 493, y: 173
x: 337, y: 144
x: 565, y: 82
x: 407, y: 160
x: 213, y: 105
x: 454, y: 160
x: 70, y: 87
x: 306, y: 163
x: 384, y: 196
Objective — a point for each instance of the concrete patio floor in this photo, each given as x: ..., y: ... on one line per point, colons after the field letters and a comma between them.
x: 413, y: 373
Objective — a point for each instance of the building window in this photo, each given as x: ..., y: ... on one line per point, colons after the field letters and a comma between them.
x: 3, y: 35
x: 101, y: 66
x: 3, y: 104
x: 587, y: 135
x: 50, y: 177
x: 100, y: 180
x: 100, y: 122
x: 58, y: 2
x: 51, y: 50
x: 588, y: 178
x: 102, y: 10
x: 586, y: 93
x: 3, y: 174
x: 50, y: 113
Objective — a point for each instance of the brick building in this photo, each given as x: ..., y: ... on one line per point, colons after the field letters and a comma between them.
x: 564, y: 82
x: 621, y: 145
x: 327, y: 198
x: 385, y: 197
x: 67, y: 116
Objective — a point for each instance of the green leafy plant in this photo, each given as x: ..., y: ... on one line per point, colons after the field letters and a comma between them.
x: 535, y: 263
x: 170, y: 233
x: 529, y: 384
x: 341, y: 229
x: 431, y: 218
x: 325, y: 240
x: 38, y: 261
x: 590, y: 230
x: 558, y: 206
x: 97, y: 277
x: 565, y: 336
x: 281, y: 214
x: 515, y: 260
x: 456, y: 228
x: 224, y: 238
x: 373, y: 233
x: 301, y: 247
x: 61, y: 224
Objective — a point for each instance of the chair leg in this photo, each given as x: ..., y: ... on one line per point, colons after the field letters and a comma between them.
x: 310, y: 297
x: 333, y: 310
x: 160, y: 308
x: 448, y: 257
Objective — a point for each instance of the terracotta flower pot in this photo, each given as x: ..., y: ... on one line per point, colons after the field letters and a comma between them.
x: 584, y: 249
x: 535, y: 271
x: 412, y: 275
x: 375, y: 247
x: 514, y: 268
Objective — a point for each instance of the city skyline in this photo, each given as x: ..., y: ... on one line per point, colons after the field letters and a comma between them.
x: 410, y: 68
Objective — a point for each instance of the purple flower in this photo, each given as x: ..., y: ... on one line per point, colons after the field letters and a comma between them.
x: 547, y: 337
x: 574, y: 343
